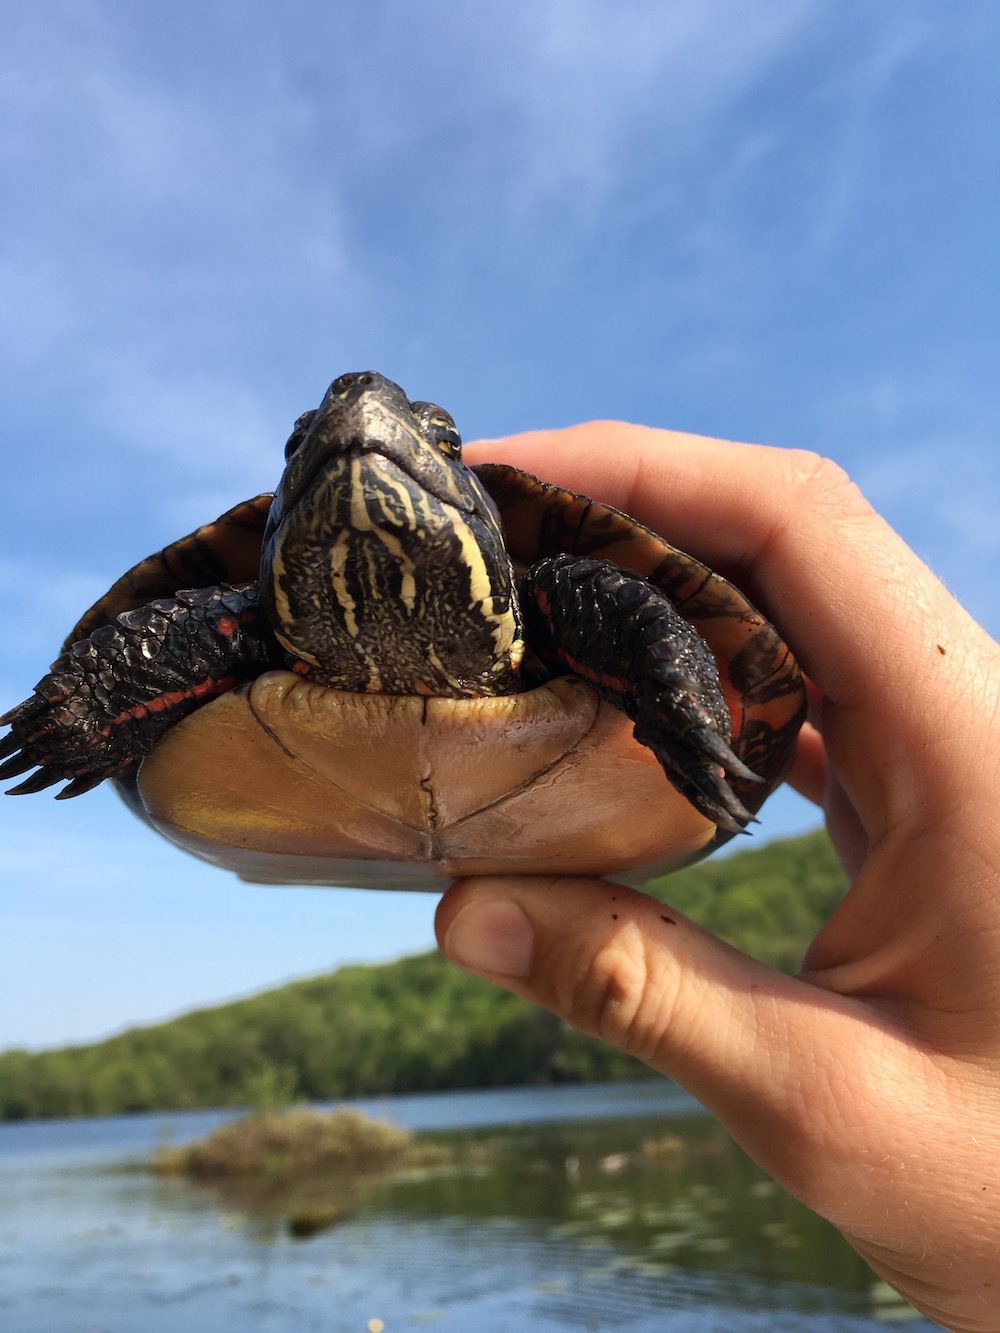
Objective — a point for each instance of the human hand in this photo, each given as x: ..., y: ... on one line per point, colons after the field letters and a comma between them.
x: 869, y: 1085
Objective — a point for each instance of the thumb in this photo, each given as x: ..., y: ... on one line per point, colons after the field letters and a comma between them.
x: 765, y: 1053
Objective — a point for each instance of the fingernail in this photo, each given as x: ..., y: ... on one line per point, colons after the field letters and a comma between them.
x: 491, y: 936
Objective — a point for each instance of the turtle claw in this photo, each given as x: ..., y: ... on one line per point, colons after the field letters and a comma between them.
x: 18, y: 763
x: 75, y: 787
x: 8, y: 746
x: 39, y: 780
x: 695, y: 762
x: 713, y: 746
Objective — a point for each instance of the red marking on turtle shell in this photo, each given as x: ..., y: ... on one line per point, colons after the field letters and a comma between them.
x: 227, y: 626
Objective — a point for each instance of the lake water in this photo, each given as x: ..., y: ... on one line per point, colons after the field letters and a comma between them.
x: 559, y: 1220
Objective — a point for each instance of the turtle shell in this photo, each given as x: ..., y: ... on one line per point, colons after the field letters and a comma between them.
x: 285, y: 781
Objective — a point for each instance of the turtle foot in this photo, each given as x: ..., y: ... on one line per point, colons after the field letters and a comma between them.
x: 63, y: 732
x: 110, y: 697
x: 626, y: 638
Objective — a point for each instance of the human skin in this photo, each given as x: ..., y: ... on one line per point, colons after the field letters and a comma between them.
x: 869, y: 1084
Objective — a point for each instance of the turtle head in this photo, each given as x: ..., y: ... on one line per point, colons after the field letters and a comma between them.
x: 384, y: 565
x: 367, y: 414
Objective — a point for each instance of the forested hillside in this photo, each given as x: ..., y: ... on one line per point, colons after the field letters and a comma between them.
x: 414, y: 1025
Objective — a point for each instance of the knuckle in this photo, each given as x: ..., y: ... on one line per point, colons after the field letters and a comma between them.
x: 623, y: 997
x: 825, y: 483
x: 816, y: 495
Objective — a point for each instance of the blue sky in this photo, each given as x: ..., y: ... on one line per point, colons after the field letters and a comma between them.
x: 774, y: 222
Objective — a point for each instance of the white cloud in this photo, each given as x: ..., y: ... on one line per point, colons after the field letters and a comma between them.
x: 946, y: 489
x: 857, y: 91
x: 601, y: 85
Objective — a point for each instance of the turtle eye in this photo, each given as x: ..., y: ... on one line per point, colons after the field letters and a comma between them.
x: 299, y: 432
x: 446, y: 437
x: 438, y: 427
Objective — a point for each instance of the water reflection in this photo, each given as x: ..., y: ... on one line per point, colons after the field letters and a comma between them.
x: 642, y: 1221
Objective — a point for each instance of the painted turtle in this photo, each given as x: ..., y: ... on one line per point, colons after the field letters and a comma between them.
x: 399, y: 669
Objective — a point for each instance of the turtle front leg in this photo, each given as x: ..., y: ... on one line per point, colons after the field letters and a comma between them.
x: 626, y: 639
x: 109, y: 698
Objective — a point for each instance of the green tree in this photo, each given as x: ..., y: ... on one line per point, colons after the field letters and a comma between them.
x: 414, y: 1025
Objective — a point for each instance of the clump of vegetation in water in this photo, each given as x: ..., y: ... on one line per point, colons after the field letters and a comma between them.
x: 314, y: 1168
x: 281, y: 1147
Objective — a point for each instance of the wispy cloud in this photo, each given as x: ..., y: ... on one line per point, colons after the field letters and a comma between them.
x: 592, y: 90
